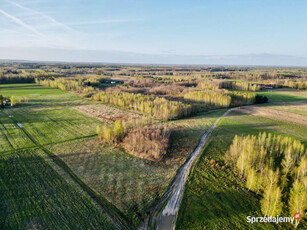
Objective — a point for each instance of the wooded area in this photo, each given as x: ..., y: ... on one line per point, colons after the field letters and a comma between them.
x: 274, y: 166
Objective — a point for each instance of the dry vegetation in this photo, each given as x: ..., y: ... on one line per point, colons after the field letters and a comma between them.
x: 107, y: 114
x: 150, y: 142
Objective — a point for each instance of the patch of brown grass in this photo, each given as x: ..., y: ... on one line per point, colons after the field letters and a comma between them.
x: 107, y: 114
x: 275, y: 114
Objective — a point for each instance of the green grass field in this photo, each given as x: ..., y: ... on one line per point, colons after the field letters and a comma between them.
x: 28, y: 90
x: 284, y: 94
x: 34, y: 196
x: 215, y: 196
x: 48, y: 116
x: 12, y: 137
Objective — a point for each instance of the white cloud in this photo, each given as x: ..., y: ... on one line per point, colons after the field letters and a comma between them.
x: 108, y: 21
x: 43, y: 15
x: 21, y: 23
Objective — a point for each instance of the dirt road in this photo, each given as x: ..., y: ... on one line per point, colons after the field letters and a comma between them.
x: 166, y: 219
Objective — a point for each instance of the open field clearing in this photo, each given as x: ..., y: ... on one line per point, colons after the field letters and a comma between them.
x: 278, y: 114
x: 49, y: 116
x: 258, y: 124
x: 34, y: 196
x: 215, y: 196
x: 55, y: 125
x: 106, y: 113
x: 29, y: 90
x: 285, y: 94
x: 294, y: 107
x: 217, y: 199
x: 130, y: 183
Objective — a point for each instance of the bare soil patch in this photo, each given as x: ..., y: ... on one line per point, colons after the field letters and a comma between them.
x: 105, y: 113
x: 292, y: 92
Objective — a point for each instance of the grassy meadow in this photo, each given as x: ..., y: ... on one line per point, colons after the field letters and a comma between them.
x: 284, y: 94
x: 35, y: 196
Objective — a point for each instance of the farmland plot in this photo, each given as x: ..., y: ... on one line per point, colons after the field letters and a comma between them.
x: 295, y: 107
x: 28, y: 90
x: 34, y: 196
x: 56, y: 124
x: 130, y: 183
x: 286, y: 95
x: 50, y: 115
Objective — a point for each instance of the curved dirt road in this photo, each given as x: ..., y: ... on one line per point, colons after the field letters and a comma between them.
x: 166, y: 219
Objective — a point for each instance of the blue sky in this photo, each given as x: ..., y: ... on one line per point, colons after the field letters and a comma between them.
x: 260, y: 32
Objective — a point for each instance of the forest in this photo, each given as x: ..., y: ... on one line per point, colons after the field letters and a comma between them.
x: 275, y: 167
x: 187, y: 102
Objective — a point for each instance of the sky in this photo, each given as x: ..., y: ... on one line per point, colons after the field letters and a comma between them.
x: 221, y: 32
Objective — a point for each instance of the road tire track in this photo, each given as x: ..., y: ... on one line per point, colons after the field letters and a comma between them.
x: 163, y: 215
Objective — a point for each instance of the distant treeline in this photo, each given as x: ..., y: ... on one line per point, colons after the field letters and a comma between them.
x: 225, y: 98
x: 163, y: 108
x: 275, y: 167
x: 297, y: 84
x: 78, y: 85
x: 242, y: 86
x: 268, y: 75
x: 227, y: 84
x: 16, y: 79
x: 25, y: 76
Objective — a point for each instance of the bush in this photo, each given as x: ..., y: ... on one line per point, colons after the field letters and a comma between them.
x: 260, y: 99
x: 111, y: 135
